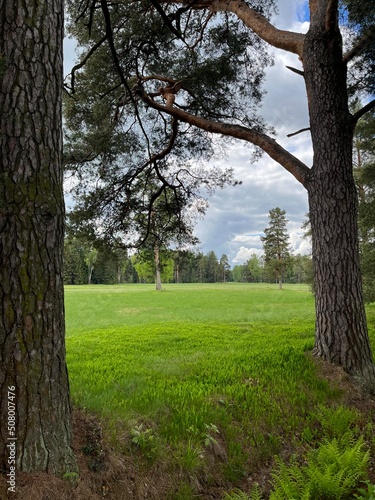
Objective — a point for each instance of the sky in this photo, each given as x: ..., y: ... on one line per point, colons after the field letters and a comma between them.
x: 238, y: 215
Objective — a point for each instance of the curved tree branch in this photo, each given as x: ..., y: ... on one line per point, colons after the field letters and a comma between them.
x: 286, y: 40
x: 84, y: 61
x: 166, y: 19
x: 292, y: 164
x: 280, y: 39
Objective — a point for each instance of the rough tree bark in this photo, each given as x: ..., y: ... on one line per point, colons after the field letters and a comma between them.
x: 341, y: 330
x: 32, y: 346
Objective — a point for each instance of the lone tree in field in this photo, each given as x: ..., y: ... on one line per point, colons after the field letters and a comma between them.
x: 201, y: 63
x: 32, y: 346
x: 276, y: 245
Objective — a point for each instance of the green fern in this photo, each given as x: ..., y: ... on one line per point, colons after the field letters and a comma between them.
x: 240, y: 495
x: 256, y: 493
x: 333, y: 471
x: 237, y: 495
x: 366, y: 494
x: 337, y: 421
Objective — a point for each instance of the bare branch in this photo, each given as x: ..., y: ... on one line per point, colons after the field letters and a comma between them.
x: 166, y: 19
x: 200, y: 38
x: 84, y: 61
x: 361, y: 45
x: 363, y: 111
x: 295, y: 70
x: 299, y: 132
x: 292, y: 164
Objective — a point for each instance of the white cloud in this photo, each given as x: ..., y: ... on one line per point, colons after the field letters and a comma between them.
x: 299, y: 244
x: 245, y: 253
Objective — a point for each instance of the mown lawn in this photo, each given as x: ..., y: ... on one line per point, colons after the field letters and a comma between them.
x: 206, y: 383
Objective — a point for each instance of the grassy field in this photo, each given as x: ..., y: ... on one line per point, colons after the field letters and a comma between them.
x: 207, y: 384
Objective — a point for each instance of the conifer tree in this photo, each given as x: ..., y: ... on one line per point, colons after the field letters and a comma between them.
x: 32, y: 330
x: 276, y: 244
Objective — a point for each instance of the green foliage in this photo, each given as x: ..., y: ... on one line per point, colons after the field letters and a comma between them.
x: 184, y: 492
x: 238, y: 495
x: 333, y: 471
x: 189, y: 456
x: 335, y: 422
x: 75, y: 269
x: 367, y: 493
x: 364, y: 161
x: 72, y: 477
x: 144, y: 439
x: 144, y: 264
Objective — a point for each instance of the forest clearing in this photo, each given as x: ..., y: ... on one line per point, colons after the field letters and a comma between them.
x: 198, y: 390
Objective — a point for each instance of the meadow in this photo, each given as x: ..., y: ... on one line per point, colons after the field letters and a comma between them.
x: 212, y: 387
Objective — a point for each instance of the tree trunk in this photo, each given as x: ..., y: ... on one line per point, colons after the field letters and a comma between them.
x: 31, y: 238
x: 90, y: 270
x: 157, y: 267
x: 341, y: 329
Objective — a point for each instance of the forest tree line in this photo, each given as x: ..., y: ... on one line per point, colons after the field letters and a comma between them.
x: 85, y: 264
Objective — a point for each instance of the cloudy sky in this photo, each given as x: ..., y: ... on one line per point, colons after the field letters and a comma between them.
x: 238, y: 215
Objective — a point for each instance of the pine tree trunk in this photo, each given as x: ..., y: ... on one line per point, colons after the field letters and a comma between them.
x: 31, y: 237
x: 341, y: 329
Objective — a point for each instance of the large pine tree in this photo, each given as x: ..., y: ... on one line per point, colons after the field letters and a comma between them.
x: 32, y: 345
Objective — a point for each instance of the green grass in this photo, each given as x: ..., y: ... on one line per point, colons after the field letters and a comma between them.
x: 212, y: 380
x: 93, y: 307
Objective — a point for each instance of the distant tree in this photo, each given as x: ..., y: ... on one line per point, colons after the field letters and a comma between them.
x: 237, y: 273
x: 224, y: 268
x: 75, y: 269
x: 301, y: 270
x: 211, y: 264
x: 145, y: 265
x: 276, y: 244
x: 91, y: 254
x: 254, y: 268
x: 123, y: 265
x: 185, y: 266
x: 201, y: 268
